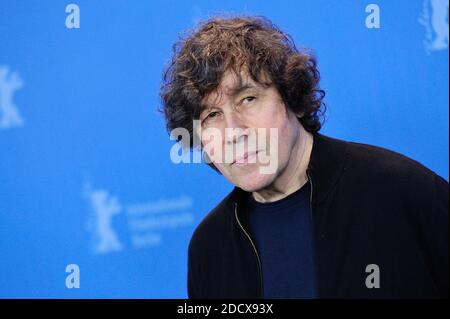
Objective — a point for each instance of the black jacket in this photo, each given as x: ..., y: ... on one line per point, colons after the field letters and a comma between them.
x: 369, y: 205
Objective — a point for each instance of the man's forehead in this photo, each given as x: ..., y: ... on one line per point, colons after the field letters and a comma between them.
x: 231, y: 80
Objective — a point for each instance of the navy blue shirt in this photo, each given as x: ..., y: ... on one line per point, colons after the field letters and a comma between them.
x: 283, y: 234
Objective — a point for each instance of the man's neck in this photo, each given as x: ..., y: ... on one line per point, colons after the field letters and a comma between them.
x: 294, y: 175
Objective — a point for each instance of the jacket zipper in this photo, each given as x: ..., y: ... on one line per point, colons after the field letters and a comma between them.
x: 254, y: 249
x: 313, y: 226
x: 310, y: 197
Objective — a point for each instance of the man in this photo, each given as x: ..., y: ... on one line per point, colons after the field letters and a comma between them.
x: 333, y: 218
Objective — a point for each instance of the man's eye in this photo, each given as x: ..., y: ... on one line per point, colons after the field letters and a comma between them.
x: 248, y: 99
x: 211, y: 115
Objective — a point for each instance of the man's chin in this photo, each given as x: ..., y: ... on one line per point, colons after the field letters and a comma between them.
x: 254, y: 184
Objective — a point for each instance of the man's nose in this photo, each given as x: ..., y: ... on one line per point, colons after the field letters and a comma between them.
x: 235, y: 128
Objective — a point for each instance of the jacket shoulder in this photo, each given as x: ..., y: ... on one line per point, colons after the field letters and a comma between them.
x: 213, y: 225
x: 386, y: 163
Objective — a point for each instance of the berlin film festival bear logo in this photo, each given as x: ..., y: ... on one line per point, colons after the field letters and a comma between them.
x: 104, y: 207
x: 9, y: 83
x: 434, y: 17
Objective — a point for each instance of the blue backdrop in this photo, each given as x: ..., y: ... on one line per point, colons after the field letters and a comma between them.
x: 85, y: 172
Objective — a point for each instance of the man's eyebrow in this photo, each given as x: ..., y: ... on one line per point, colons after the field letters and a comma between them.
x: 233, y: 92
x: 241, y: 88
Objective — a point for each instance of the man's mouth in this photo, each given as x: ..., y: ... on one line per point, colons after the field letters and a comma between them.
x: 247, y: 158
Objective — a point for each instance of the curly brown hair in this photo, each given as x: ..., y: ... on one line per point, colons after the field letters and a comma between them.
x: 250, y: 43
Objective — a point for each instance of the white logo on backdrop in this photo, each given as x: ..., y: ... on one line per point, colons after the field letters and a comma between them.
x: 9, y: 83
x: 434, y: 17
x: 145, y: 221
x: 103, y: 208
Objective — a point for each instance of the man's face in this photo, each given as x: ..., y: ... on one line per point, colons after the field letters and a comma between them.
x: 242, y: 112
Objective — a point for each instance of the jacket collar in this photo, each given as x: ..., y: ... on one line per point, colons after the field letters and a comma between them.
x: 326, y: 164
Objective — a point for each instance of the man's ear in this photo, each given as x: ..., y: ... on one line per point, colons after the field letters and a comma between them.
x: 298, y: 114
